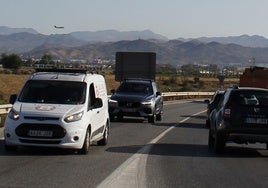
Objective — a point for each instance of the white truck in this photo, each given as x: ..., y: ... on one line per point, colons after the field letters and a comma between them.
x: 59, y: 108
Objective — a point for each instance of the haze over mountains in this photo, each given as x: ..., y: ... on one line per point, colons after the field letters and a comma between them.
x: 88, y: 45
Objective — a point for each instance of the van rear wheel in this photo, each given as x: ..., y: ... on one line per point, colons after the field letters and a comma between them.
x: 85, y: 148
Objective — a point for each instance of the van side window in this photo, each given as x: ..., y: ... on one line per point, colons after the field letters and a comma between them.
x: 92, y: 96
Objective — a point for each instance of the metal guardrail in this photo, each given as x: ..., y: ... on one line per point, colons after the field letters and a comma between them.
x: 174, y: 94
x: 4, y: 109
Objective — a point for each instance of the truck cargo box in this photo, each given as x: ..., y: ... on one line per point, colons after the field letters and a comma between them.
x: 254, y: 77
x: 135, y: 65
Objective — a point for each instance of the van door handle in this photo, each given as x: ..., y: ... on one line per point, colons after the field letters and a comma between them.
x: 98, y: 112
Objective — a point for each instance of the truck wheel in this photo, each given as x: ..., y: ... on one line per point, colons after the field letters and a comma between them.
x: 85, y: 148
x: 104, y: 141
x: 219, y: 143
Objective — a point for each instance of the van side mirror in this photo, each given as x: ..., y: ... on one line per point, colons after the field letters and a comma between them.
x: 12, y: 98
x: 98, y: 103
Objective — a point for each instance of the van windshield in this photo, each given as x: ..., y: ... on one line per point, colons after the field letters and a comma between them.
x: 53, y: 92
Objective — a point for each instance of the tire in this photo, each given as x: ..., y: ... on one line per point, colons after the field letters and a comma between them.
x: 151, y: 119
x: 159, y: 117
x: 86, y: 145
x: 210, y: 139
x: 111, y: 117
x: 219, y: 143
x: 104, y: 140
x: 207, y: 123
x: 120, y: 117
x: 9, y: 148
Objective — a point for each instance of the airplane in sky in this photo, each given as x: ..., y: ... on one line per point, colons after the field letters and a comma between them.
x: 58, y: 27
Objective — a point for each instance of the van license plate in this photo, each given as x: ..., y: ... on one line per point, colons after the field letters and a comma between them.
x: 256, y: 120
x: 39, y: 133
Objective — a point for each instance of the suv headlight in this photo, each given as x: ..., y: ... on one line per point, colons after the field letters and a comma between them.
x: 148, y: 102
x: 74, y: 117
x: 113, y: 102
x: 13, y: 115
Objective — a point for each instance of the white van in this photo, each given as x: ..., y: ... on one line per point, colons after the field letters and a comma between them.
x: 59, y: 108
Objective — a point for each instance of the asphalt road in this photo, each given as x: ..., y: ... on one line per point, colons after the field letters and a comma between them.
x: 170, y: 153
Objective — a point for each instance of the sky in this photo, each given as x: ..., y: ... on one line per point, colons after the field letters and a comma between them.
x: 170, y: 18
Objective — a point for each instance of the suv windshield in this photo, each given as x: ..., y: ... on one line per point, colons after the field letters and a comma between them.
x: 251, y: 97
x: 56, y: 92
x: 130, y: 87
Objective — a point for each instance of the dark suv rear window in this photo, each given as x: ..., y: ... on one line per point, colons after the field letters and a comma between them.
x: 250, y: 97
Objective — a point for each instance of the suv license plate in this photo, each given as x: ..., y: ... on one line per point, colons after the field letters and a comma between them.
x: 256, y: 120
x: 40, y: 133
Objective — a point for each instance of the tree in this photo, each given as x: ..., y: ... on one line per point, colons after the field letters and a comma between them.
x: 46, y: 59
x: 11, y: 61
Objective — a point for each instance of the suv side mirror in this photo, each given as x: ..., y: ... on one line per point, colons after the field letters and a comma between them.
x: 206, y: 101
x: 113, y: 91
x: 158, y: 93
x: 12, y: 98
x: 98, y: 103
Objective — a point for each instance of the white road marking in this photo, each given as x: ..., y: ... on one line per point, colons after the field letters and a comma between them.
x: 132, y: 173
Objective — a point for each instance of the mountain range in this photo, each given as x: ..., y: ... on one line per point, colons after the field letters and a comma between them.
x: 88, y: 45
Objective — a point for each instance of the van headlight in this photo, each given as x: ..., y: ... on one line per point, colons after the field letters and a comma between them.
x: 13, y: 115
x: 74, y: 117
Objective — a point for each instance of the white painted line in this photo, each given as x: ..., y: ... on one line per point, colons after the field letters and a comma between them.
x: 132, y: 172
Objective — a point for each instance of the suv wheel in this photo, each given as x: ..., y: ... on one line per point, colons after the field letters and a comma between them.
x: 210, y: 139
x: 10, y: 148
x: 207, y: 123
x: 159, y: 117
x: 219, y: 143
x: 151, y: 119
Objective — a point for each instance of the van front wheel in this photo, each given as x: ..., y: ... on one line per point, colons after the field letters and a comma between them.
x: 104, y: 140
x: 85, y: 148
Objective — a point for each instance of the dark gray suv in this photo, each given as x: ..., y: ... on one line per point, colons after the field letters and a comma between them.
x: 241, y: 117
x: 137, y: 98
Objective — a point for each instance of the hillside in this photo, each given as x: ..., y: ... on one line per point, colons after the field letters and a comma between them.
x: 170, y: 52
x: 90, y: 46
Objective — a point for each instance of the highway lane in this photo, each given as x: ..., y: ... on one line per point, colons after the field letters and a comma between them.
x: 170, y: 153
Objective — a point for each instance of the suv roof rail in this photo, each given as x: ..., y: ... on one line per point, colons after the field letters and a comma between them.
x: 234, y: 86
x: 83, y: 71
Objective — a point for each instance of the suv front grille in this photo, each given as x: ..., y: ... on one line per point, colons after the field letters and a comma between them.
x: 129, y: 104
